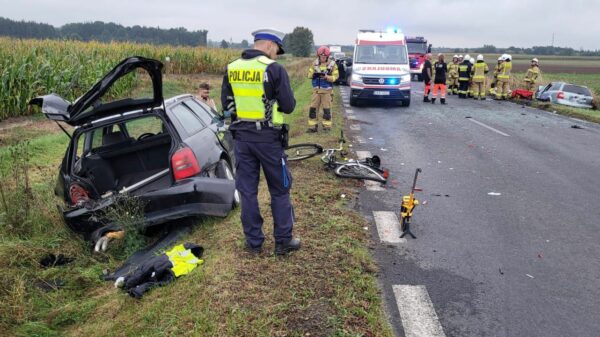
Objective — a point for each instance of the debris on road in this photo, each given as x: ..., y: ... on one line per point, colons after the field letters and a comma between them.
x: 500, y: 270
x: 575, y: 126
x: 494, y: 193
x: 343, y: 196
x: 529, y: 276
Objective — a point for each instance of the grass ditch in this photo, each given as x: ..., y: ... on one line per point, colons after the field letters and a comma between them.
x: 328, y: 288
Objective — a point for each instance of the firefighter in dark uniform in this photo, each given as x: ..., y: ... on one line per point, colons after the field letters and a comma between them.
x: 256, y: 91
x: 464, y: 77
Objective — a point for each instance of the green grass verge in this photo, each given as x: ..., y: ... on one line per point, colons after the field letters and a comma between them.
x: 329, y: 288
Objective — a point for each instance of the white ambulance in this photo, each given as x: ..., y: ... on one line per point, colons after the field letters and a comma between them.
x: 381, y: 70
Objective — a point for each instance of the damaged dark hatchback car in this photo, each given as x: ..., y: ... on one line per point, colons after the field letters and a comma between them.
x: 174, y: 155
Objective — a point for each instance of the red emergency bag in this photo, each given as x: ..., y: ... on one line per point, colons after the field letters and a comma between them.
x: 522, y: 93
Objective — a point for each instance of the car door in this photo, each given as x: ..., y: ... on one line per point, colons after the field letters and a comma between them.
x: 220, y: 130
x: 196, y: 135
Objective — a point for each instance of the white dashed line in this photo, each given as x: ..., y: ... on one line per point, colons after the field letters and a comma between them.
x: 355, y: 127
x: 363, y: 154
x: 360, y: 139
x: 388, y: 227
x: 416, y: 311
x: 488, y: 127
x: 351, y: 117
x: 349, y: 111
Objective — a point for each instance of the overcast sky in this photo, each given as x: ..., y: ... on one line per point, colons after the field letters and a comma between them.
x: 450, y: 23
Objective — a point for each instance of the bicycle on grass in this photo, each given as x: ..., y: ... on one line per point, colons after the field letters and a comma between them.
x: 367, y: 169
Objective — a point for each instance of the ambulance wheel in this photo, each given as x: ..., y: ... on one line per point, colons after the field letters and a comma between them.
x: 405, y: 102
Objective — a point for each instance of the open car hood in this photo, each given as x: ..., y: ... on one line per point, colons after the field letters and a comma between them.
x: 89, y: 106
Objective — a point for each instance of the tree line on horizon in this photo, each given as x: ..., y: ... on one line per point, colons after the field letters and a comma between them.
x: 102, y: 32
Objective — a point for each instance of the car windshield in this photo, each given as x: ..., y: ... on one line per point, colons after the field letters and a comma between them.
x: 417, y: 47
x: 381, y: 54
x: 575, y: 89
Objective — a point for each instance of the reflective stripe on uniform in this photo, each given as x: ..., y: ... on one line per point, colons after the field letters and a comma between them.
x: 247, y: 77
x: 504, y: 70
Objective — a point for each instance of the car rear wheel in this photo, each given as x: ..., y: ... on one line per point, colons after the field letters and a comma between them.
x: 224, y: 171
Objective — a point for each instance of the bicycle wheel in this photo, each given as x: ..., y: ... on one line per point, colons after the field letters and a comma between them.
x: 302, y: 151
x: 359, y: 171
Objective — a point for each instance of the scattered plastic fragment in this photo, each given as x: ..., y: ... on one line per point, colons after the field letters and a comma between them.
x: 343, y: 196
x: 424, y: 202
x: 494, y: 193
x: 500, y: 270
x: 366, y: 228
x: 540, y: 255
x: 529, y: 276
x: 370, y: 138
x: 575, y: 126
x: 382, y: 149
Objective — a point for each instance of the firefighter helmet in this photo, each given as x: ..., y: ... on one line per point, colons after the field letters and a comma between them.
x: 323, y: 50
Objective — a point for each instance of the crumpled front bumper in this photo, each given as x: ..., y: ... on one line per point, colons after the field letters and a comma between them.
x: 189, y: 197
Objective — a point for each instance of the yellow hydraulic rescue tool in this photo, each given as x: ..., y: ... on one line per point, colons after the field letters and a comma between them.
x: 409, y: 202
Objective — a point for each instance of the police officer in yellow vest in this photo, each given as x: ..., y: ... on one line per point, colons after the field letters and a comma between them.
x: 532, y: 74
x: 257, y: 92
x: 323, y: 72
x: 480, y: 69
x: 503, y: 84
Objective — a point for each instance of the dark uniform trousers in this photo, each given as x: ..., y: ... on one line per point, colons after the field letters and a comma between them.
x: 251, y: 156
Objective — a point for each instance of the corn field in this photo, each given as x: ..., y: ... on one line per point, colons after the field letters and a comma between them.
x: 69, y: 68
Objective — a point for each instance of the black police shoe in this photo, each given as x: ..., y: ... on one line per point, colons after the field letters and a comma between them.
x: 433, y: 100
x: 443, y: 101
x: 426, y: 99
x: 290, y: 246
x: 253, y: 250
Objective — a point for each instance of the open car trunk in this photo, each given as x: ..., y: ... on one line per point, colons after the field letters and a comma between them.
x: 124, y: 164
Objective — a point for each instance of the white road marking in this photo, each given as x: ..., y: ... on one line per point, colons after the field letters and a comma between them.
x: 369, y: 184
x: 488, y: 127
x: 349, y: 111
x: 346, y: 106
x: 363, y: 154
x: 388, y: 227
x: 416, y: 311
x: 352, y: 117
x: 355, y: 127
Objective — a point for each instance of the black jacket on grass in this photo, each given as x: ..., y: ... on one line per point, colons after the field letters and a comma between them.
x: 154, y: 273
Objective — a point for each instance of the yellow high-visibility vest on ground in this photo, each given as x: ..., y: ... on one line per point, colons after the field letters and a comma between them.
x: 247, y: 79
x: 183, y: 260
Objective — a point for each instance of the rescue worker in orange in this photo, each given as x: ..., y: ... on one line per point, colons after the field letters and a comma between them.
x: 323, y: 72
x: 480, y: 69
x: 439, y: 79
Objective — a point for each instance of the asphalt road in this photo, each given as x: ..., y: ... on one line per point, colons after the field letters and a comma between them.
x: 525, y: 262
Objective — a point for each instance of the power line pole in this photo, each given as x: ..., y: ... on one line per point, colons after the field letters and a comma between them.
x: 552, y: 39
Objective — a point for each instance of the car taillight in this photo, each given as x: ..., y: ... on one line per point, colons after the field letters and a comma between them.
x: 78, y: 194
x: 386, y: 173
x: 560, y: 95
x: 184, y: 164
